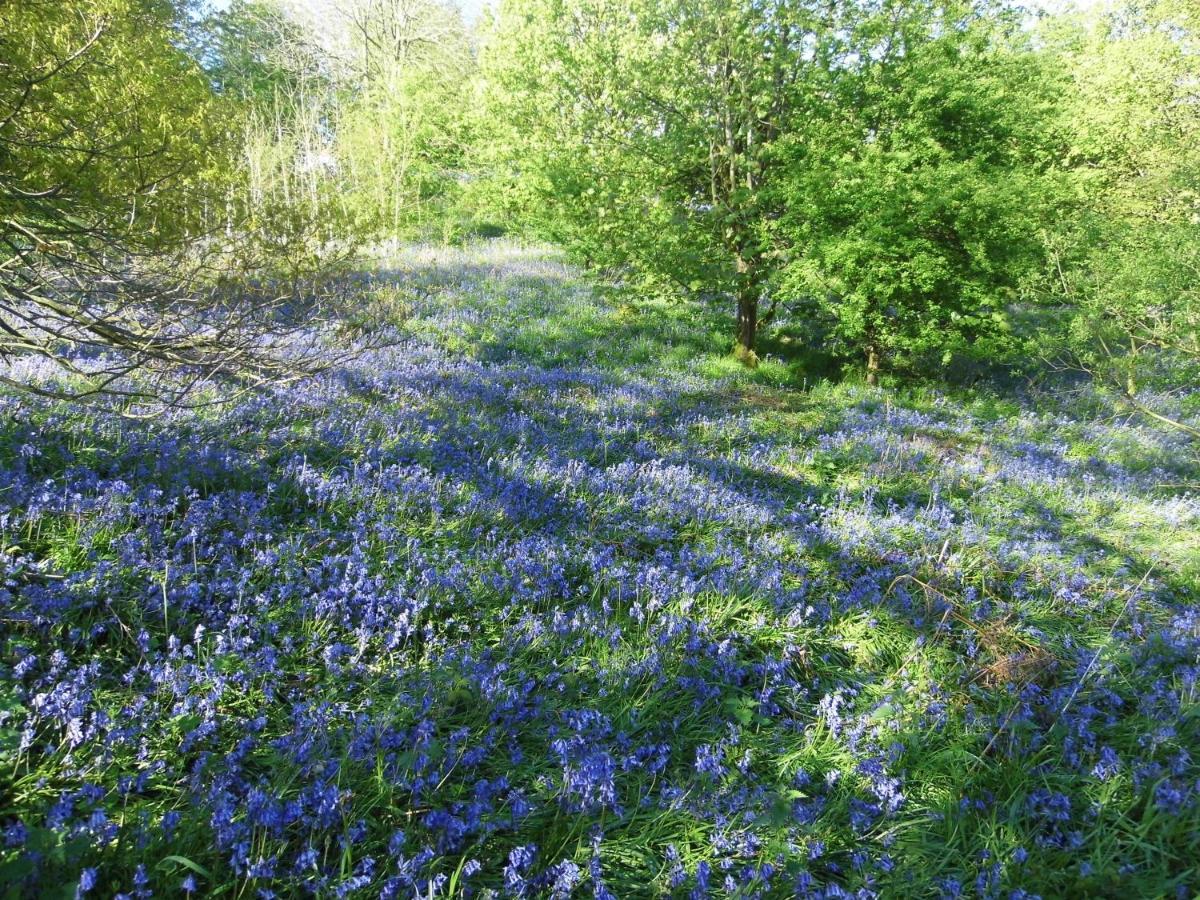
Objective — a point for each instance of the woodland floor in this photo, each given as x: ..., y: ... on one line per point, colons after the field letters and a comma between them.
x: 553, y: 598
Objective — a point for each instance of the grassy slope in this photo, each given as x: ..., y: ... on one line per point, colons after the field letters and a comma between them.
x: 555, y: 597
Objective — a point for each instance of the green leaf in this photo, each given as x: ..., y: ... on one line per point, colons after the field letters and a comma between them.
x: 166, y: 861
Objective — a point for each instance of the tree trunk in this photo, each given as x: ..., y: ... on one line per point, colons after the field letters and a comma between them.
x: 872, y: 365
x: 747, y: 305
x: 747, y: 319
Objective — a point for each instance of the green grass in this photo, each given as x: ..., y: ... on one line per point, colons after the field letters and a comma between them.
x: 551, y: 501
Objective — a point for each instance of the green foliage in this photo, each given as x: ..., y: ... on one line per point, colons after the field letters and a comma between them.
x: 912, y: 207
x: 639, y: 132
x: 915, y: 186
x: 353, y: 125
x: 405, y: 117
x: 886, y: 168
x: 105, y: 125
x: 916, y: 182
x: 401, y: 144
x: 1126, y: 264
x: 252, y: 51
x: 137, y: 231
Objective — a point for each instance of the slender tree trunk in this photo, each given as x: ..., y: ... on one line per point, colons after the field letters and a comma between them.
x: 747, y: 304
x: 747, y: 318
x: 872, y: 365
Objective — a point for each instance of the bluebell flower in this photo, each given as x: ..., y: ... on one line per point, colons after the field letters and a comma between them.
x: 88, y: 880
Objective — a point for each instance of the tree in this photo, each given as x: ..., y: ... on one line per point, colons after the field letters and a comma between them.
x: 883, y: 161
x: 285, y: 97
x: 404, y: 129
x: 646, y: 129
x: 115, y: 163
x: 914, y: 202
x: 385, y: 35
x: 1127, y: 264
x: 252, y: 51
x: 358, y: 109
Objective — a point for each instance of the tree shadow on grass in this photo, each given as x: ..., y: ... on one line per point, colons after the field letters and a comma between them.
x: 544, y: 315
